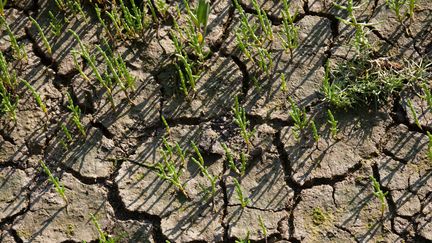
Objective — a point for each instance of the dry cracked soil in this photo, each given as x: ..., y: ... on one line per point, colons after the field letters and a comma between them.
x: 299, y: 190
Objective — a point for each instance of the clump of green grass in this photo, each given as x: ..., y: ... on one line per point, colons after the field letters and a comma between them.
x: 242, y: 122
x: 244, y: 201
x: 263, y: 227
x: 315, y: 134
x: 204, y: 170
x: 265, y: 24
x: 379, y: 194
x: 59, y: 187
x: 396, y: 6
x: 364, y: 82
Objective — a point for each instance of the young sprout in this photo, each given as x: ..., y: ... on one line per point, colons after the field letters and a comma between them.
x: 396, y: 6
x: 204, y: 170
x: 18, y: 50
x: 299, y: 117
x: 379, y: 194
x: 66, y: 132
x: 167, y: 128
x: 2, y: 6
x: 36, y: 96
x: 245, y: 28
x: 265, y: 23
x: 56, y: 25
x: 8, y: 83
x: 42, y: 35
x: 59, y: 187
x: 315, y: 134
x: 427, y: 95
x: 232, y: 165
x: 361, y: 41
x: 161, y: 6
x: 429, y: 153
x: 76, y: 115
x: 412, y: 4
x: 289, y: 32
x: 167, y: 169
x: 333, y: 123
x: 244, y: 201
x: 245, y: 240
x: 103, y: 237
x: 413, y: 113
x: 283, y: 83
x: 263, y: 227
x: 241, y: 121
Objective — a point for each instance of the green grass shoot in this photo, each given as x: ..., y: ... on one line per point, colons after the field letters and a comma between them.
x: 76, y: 115
x: 204, y: 170
x: 414, y: 113
x: 379, y: 194
x: 36, y: 96
x: 42, y: 35
x: 333, y: 123
x: 59, y: 187
x: 244, y: 201
x: 241, y: 121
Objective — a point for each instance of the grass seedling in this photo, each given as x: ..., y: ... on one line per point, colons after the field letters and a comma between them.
x: 167, y: 169
x: 197, y: 25
x: 427, y: 95
x: 18, y: 50
x: 128, y: 21
x: 103, y: 237
x: 36, y: 96
x: 8, y: 83
x: 360, y: 41
x: 265, y: 23
x: 231, y: 163
x: 379, y: 194
x: 42, y: 35
x: 2, y: 6
x: 76, y: 115
x: 246, y: 29
x: 263, y: 227
x: 167, y: 128
x: 396, y: 6
x: 106, y: 82
x: 161, y: 6
x: 411, y: 7
x: 299, y: 117
x: 429, y: 153
x: 56, y: 25
x: 204, y: 170
x: 333, y: 124
x: 332, y: 92
x: 413, y: 113
x: 241, y: 121
x: 315, y: 134
x: 244, y: 201
x: 66, y: 132
x: 264, y: 60
x: 289, y: 32
x: 59, y: 187
x: 245, y: 240
x: 283, y: 83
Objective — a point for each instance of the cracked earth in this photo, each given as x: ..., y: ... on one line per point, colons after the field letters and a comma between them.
x: 289, y: 181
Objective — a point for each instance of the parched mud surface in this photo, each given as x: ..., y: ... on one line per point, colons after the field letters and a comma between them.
x: 299, y: 190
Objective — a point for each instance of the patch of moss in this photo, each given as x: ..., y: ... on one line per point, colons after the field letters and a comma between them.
x: 318, y: 216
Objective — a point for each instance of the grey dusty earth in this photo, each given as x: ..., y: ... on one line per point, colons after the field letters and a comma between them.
x: 295, y: 189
